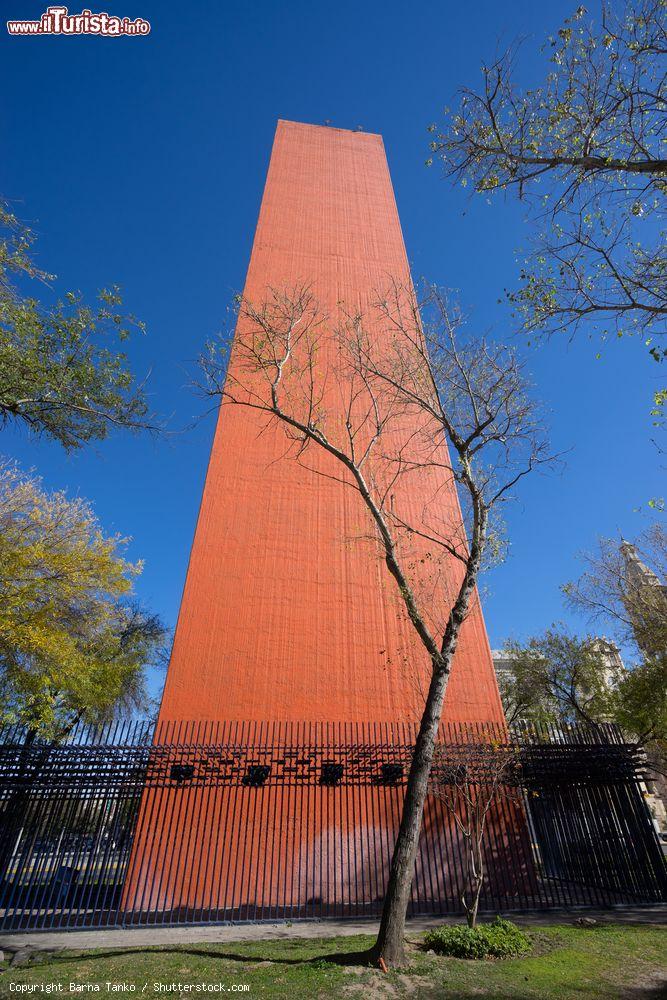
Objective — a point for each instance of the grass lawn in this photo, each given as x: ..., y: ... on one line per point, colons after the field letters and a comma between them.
x: 567, y: 962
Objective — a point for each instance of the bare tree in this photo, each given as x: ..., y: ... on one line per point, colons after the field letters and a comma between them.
x: 384, y: 397
x: 474, y: 780
x: 585, y: 149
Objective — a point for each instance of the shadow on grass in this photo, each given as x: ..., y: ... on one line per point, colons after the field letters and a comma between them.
x: 354, y: 958
x: 656, y: 991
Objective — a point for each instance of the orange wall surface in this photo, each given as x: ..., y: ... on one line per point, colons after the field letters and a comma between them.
x: 284, y: 617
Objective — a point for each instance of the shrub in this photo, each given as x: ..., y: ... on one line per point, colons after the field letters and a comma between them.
x: 500, y: 939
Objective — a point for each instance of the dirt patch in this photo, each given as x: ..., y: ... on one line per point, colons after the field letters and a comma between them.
x: 542, y: 944
x: 378, y: 988
x: 412, y: 983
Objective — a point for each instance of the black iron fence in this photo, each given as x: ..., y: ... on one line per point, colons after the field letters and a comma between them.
x: 203, y: 822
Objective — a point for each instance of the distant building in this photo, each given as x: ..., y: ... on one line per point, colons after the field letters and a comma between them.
x: 637, y: 574
x: 645, y: 602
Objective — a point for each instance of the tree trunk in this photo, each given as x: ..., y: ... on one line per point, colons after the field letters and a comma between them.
x: 471, y: 913
x: 390, y: 943
x: 476, y: 876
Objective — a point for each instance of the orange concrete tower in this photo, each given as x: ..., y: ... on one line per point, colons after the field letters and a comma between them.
x: 281, y: 618
x: 292, y: 636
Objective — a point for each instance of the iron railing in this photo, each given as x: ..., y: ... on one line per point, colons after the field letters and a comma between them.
x: 209, y: 822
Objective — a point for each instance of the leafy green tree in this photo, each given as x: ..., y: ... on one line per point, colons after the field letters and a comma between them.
x: 557, y: 678
x: 585, y: 150
x: 61, y: 372
x: 639, y: 704
x: 560, y: 678
x: 73, y: 643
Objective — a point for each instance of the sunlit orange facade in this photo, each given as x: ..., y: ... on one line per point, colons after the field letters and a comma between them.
x: 282, y: 617
x: 288, y: 615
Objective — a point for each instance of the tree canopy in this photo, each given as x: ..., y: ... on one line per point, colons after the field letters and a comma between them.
x: 62, y: 373
x: 73, y: 643
x: 557, y: 677
x: 584, y: 148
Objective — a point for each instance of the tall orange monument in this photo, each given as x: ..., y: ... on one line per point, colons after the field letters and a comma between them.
x: 291, y: 636
x: 281, y: 618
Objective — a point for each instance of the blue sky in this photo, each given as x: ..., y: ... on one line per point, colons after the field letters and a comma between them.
x: 142, y: 161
